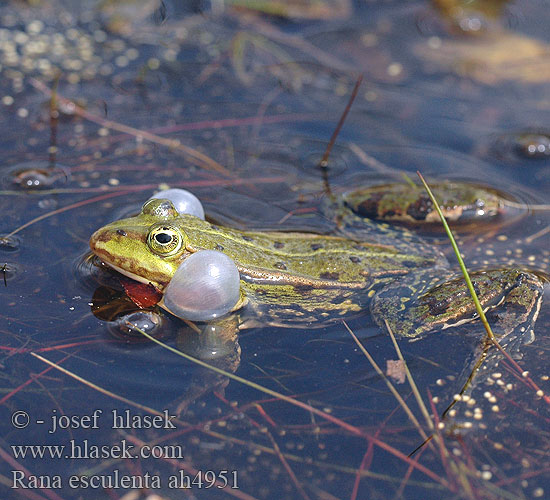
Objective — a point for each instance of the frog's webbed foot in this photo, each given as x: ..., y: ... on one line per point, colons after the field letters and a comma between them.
x: 484, y: 385
x: 217, y: 344
x: 511, y: 300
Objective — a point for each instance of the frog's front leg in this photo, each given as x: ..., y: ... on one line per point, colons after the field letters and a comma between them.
x: 216, y: 343
x: 483, y: 384
x: 511, y: 300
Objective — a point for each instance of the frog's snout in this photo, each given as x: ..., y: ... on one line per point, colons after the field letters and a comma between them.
x: 102, y: 239
x: 96, y: 240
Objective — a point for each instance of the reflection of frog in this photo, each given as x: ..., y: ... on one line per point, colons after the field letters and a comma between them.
x: 292, y: 279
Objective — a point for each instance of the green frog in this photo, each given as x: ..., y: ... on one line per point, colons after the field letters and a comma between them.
x: 294, y: 279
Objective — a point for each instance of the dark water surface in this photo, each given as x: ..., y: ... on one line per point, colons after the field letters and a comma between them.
x: 238, y: 107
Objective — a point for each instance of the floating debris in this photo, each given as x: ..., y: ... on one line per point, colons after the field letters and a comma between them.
x: 9, y: 271
x: 502, y: 56
x: 9, y: 243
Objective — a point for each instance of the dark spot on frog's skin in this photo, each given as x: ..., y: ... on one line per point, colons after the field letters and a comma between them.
x: 329, y: 276
x: 437, y: 307
x: 316, y: 246
x: 409, y: 263
x: 121, y: 232
x: 420, y: 208
x: 369, y: 207
x: 104, y: 236
x: 247, y: 238
x: 278, y: 245
x: 520, y: 279
x: 215, y: 228
x: 280, y: 265
x: 299, y: 287
x: 355, y: 259
x: 219, y: 248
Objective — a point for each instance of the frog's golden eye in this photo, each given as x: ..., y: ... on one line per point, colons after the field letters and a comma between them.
x: 165, y: 240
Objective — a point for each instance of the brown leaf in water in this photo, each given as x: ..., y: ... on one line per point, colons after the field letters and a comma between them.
x: 395, y: 369
x: 141, y: 294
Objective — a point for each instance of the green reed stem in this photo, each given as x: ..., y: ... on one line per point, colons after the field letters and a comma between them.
x: 469, y: 284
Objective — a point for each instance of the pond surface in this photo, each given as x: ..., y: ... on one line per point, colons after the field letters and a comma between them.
x: 105, y: 103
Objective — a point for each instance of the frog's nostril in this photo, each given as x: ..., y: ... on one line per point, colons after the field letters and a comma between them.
x: 121, y: 232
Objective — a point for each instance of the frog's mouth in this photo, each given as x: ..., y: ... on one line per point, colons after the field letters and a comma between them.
x: 108, y: 260
x: 126, y: 273
x: 132, y: 276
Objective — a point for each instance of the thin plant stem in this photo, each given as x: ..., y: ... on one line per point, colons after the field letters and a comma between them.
x: 469, y: 284
x: 393, y: 390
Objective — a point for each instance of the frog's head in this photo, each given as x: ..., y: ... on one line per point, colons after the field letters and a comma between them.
x: 148, y: 248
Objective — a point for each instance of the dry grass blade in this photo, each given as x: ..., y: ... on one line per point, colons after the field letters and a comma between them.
x: 324, y: 161
x: 189, y: 468
x: 341, y: 423
x: 393, y: 390
x: 47, y: 492
x: 64, y: 209
x: 196, y: 157
x: 411, y: 381
x: 97, y: 388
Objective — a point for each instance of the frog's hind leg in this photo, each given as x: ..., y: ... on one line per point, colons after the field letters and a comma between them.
x: 438, y: 300
x: 511, y: 299
x: 355, y: 227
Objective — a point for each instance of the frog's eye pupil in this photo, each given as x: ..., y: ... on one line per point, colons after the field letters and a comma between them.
x: 163, y: 238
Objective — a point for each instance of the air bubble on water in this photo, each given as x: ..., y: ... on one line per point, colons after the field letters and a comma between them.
x: 129, y: 325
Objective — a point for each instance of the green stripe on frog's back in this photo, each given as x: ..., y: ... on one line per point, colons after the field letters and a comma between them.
x: 272, y: 258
